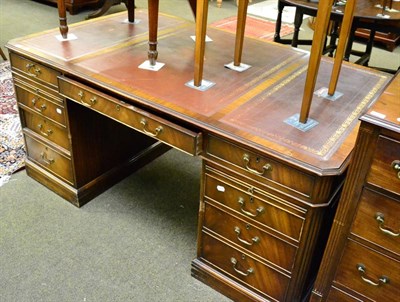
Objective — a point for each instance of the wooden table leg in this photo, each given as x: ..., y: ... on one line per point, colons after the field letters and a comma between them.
x: 240, y: 29
x: 343, y: 38
x: 130, y: 6
x: 153, y: 28
x: 62, y: 14
x: 201, y: 28
x: 322, y: 21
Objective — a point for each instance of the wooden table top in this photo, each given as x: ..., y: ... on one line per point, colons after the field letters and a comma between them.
x: 248, y: 108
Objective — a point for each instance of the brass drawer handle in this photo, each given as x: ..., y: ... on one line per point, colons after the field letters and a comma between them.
x: 36, y: 70
x: 386, y: 230
x: 396, y: 166
x: 253, y: 240
x: 157, y: 131
x: 248, y: 272
x: 46, y: 160
x: 266, y: 167
x: 259, y: 210
x: 44, y: 132
x: 382, y: 280
x: 92, y: 101
x: 39, y: 109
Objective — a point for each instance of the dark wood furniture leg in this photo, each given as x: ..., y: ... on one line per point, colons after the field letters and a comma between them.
x: 323, y: 17
x: 201, y: 26
x: 240, y: 28
x: 153, y: 27
x: 278, y: 24
x: 62, y: 14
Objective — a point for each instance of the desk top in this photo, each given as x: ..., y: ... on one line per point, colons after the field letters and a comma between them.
x: 248, y: 108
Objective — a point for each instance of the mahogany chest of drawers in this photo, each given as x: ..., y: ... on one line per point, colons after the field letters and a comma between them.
x: 362, y: 258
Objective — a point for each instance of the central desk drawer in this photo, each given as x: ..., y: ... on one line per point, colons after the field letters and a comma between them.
x: 145, y: 122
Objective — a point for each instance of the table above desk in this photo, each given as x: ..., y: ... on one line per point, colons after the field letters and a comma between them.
x: 249, y: 107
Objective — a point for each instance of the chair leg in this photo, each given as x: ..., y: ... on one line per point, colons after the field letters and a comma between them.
x: 3, y: 55
x: 201, y: 26
x: 153, y: 28
x: 62, y: 14
x: 240, y: 28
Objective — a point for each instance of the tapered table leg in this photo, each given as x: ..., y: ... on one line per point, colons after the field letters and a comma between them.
x: 240, y: 28
x: 130, y: 6
x: 343, y: 37
x: 153, y: 28
x: 201, y: 26
x: 322, y: 21
x: 62, y: 14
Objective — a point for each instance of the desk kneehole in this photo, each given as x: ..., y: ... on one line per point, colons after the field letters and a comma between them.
x: 149, y: 124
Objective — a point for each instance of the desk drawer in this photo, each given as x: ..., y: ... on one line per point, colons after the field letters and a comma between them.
x: 40, y: 104
x: 378, y: 220
x: 149, y: 124
x: 267, y: 170
x: 369, y: 273
x: 250, y: 237
x: 34, y: 70
x: 385, y: 167
x: 49, y: 158
x: 248, y: 203
x: 47, y: 129
x: 245, y: 268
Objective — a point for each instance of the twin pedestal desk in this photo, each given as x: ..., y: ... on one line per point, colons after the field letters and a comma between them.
x: 269, y: 190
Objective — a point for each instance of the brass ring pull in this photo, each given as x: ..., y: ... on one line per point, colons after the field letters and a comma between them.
x: 259, y: 210
x: 45, y: 133
x: 266, y: 167
x: 253, y: 240
x: 248, y: 272
x: 386, y: 230
x: 364, y: 277
x: 36, y: 71
x: 39, y: 109
x: 396, y: 166
x: 157, y: 131
x: 46, y: 160
x: 92, y: 101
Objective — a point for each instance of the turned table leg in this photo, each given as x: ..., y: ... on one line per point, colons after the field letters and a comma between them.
x: 153, y: 27
x: 62, y: 14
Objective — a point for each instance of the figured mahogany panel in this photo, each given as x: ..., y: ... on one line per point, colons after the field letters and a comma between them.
x: 383, y: 173
x: 377, y: 220
x: 245, y: 268
x: 266, y: 210
x: 369, y: 273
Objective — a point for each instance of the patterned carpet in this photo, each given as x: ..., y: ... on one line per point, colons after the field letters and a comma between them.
x: 12, y: 150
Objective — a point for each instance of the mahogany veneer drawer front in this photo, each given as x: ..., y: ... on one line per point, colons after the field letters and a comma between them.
x: 266, y: 209
x: 47, y: 129
x: 383, y: 171
x: 49, y: 158
x: 43, y: 106
x: 245, y: 268
x: 35, y: 71
x: 250, y: 237
x: 267, y: 170
x: 145, y: 122
x: 336, y: 295
x: 369, y: 273
x: 377, y: 220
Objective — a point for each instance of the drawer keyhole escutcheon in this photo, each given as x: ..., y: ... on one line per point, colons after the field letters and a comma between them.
x: 396, y: 166
x: 156, y: 132
x: 381, y: 280
x: 46, y: 160
x: 32, y: 70
x: 253, y: 240
x: 34, y: 103
x: 259, y: 210
x: 43, y: 131
x: 381, y: 224
x: 266, y: 167
x: 92, y: 101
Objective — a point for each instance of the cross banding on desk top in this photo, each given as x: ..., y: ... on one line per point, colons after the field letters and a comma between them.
x: 200, y: 10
